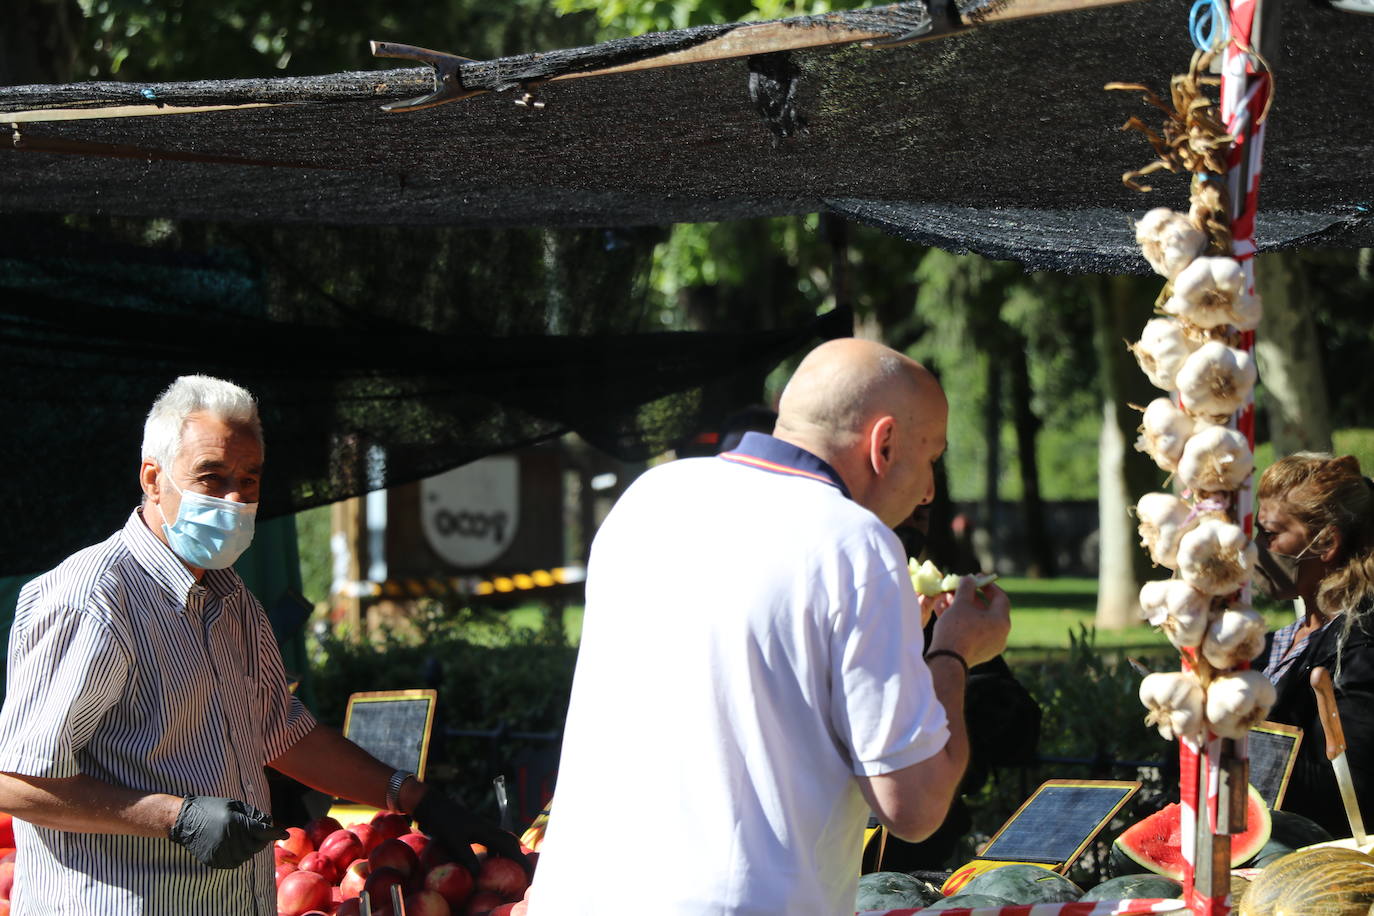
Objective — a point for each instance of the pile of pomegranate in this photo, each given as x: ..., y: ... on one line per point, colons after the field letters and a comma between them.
x: 6, y: 862
x: 322, y: 868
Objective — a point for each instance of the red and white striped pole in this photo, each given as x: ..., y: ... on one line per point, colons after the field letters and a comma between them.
x: 1245, y: 91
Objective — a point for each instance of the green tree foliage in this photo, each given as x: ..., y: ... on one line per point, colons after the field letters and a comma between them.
x: 633, y: 17
x: 180, y: 40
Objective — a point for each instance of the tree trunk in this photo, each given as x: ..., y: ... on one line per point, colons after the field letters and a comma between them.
x: 39, y: 41
x: 1124, y: 474
x: 1294, y: 398
x: 1039, y: 548
x: 992, y: 470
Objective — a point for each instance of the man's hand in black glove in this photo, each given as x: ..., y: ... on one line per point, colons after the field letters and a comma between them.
x: 222, y: 832
x: 455, y: 828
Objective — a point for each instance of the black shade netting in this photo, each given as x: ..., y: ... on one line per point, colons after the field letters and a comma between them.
x: 999, y: 139
x: 378, y: 356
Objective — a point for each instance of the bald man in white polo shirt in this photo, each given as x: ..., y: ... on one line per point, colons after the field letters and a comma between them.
x: 752, y: 678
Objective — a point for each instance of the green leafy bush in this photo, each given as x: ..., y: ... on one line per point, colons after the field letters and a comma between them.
x: 519, y: 683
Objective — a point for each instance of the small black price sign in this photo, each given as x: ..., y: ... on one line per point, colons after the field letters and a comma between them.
x: 1273, y: 751
x: 1058, y: 821
x: 393, y: 725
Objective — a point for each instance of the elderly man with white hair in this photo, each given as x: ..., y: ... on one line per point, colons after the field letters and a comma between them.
x: 145, y: 695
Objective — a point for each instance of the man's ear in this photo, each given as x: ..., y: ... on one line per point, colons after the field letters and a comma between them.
x: 147, y: 478
x: 881, y: 442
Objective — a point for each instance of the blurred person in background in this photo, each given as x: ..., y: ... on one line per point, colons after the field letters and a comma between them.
x: 1314, y: 534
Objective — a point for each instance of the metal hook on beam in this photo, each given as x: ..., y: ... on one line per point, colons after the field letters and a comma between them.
x: 448, y: 78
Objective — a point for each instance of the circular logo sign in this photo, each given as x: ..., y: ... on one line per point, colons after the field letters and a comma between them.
x: 469, y: 514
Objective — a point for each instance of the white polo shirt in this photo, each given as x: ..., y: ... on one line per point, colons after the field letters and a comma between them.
x: 751, y: 642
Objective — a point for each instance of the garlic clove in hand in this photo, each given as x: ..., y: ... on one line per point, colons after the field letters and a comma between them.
x: 1215, y: 557
x: 1179, y: 610
x: 1162, y: 519
x: 1175, y: 701
x: 1161, y: 351
x: 1239, y: 701
x: 1163, y: 431
x: 1236, y: 635
x: 1215, y: 459
x: 1215, y: 380
x: 1168, y: 240
x: 1205, y: 292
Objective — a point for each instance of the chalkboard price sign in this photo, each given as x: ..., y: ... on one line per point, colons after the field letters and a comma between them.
x: 1273, y: 750
x: 393, y: 725
x: 1059, y: 820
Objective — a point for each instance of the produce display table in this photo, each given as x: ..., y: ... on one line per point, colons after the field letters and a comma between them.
x: 1091, y: 908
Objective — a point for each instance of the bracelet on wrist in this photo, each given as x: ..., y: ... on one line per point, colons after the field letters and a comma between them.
x: 393, y: 790
x: 948, y: 653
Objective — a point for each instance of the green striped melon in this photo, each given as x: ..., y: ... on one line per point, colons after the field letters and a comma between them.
x: 1024, y: 884
x: 1135, y: 887
x: 893, y: 890
x: 1288, y: 832
x: 1322, y: 870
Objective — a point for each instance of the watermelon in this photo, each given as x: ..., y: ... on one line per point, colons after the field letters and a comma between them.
x: 1024, y: 884
x: 1289, y: 832
x: 893, y: 890
x: 1135, y: 887
x: 971, y: 901
x: 1153, y: 843
x: 1291, y: 885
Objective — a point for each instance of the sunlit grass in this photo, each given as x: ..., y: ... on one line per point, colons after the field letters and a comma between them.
x: 1044, y: 613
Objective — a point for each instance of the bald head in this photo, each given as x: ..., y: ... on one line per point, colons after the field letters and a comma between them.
x: 877, y: 416
x: 843, y: 384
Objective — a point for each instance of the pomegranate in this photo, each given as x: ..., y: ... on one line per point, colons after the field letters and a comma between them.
x: 426, y: 903
x: 296, y: 842
x: 453, y: 882
x: 343, y: 847
x: 504, y: 876
x: 320, y: 828
x: 393, y: 853
x: 302, y: 891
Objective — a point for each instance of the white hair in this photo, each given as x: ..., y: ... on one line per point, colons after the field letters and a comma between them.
x: 195, y: 394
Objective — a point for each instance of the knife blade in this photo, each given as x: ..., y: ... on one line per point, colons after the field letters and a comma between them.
x: 1335, y: 750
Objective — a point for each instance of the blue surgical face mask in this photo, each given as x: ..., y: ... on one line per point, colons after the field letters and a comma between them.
x: 209, y: 532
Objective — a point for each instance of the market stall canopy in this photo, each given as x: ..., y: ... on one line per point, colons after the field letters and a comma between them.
x: 997, y: 139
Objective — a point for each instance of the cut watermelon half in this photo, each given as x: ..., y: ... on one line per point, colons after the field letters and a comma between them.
x: 1154, y: 843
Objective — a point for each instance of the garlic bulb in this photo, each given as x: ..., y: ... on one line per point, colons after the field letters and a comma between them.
x: 1168, y: 240
x: 1235, y: 636
x: 1214, y: 459
x: 1161, y: 350
x: 1179, y: 610
x: 1163, y: 431
x: 1214, y: 380
x: 1215, y: 557
x: 1247, y: 312
x: 1175, y: 701
x: 1163, y: 518
x: 1205, y: 292
x: 1238, y: 702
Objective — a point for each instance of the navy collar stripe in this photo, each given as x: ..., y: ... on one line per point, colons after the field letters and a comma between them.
x: 766, y: 453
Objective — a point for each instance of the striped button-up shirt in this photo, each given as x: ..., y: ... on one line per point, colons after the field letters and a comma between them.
x: 125, y: 669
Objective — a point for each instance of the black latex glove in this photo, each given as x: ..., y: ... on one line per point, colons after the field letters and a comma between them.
x: 222, y: 832
x: 455, y: 828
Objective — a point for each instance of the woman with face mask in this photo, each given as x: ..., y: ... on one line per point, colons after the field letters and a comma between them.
x: 1315, y: 538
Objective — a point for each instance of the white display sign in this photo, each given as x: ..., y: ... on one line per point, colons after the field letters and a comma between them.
x: 469, y: 514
